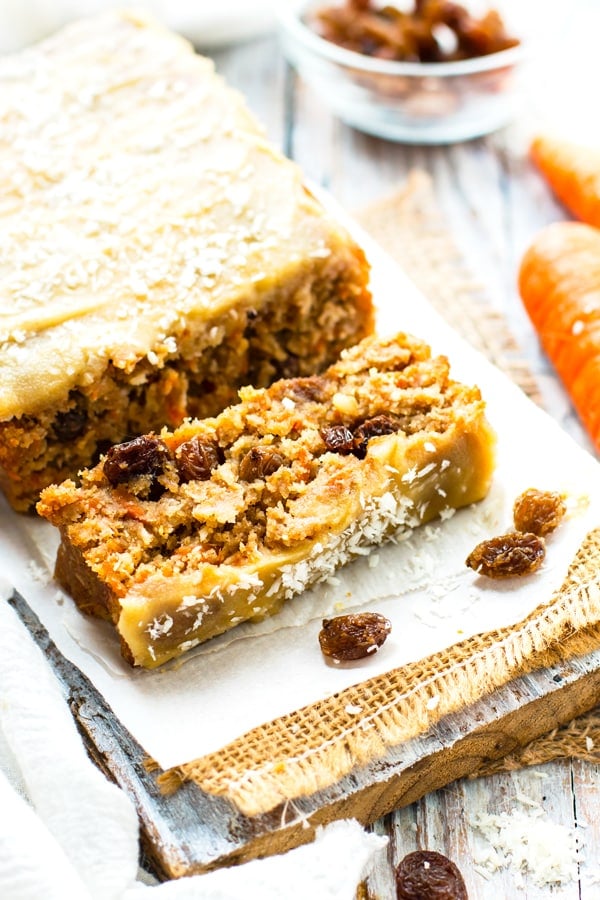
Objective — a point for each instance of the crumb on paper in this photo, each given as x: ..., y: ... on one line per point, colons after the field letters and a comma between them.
x: 576, y: 504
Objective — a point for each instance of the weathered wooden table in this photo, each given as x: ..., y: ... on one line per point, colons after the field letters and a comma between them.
x: 494, y: 202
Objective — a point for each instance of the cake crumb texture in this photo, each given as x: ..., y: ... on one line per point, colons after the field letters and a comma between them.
x: 178, y: 536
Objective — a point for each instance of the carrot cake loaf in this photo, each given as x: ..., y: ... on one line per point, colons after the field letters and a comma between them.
x: 156, y: 252
x: 178, y: 536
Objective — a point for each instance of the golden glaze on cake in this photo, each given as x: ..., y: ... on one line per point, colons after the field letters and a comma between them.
x: 155, y: 251
x: 178, y: 538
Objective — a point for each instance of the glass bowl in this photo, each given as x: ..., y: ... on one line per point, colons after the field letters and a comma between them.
x: 409, y: 102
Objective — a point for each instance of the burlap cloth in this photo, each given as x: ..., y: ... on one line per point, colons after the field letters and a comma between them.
x: 312, y: 748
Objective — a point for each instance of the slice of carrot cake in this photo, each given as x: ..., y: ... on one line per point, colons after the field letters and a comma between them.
x: 178, y: 537
x: 156, y: 252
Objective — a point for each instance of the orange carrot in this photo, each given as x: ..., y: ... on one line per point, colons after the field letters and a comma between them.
x: 573, y: 173
x: 559, y: 281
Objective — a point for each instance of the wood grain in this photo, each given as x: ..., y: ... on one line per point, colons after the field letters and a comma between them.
x: 190, y: 831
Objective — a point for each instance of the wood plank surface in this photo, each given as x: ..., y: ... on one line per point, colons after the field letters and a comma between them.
x: 189, y: 831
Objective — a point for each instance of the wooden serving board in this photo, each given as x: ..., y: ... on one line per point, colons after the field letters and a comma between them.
x: 191, y: 831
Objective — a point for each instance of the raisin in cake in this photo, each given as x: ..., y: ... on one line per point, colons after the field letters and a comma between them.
x: 156, y: 252
x: 178, y: 537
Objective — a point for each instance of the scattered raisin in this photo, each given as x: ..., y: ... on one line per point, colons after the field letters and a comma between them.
x: 338, y: 439
x: 196, y: 458
x: 71, y: 424
x: 259, y: 463
x: 375, y: 427
x: 538, y: 512
x: 507, y: 555
x: 353, y: 636
x: 427, y: 875
x: 143, y: 455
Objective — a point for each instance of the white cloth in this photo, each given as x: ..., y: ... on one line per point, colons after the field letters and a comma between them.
x: 205, y: 22
x: 67, y: 832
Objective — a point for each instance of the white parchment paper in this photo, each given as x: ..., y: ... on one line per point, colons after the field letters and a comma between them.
x: 257, y: 672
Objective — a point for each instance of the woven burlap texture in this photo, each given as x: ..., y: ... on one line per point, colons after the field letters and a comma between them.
x: 313, y: 748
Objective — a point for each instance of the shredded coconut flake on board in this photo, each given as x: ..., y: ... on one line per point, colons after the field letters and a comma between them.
x: 528, y: 844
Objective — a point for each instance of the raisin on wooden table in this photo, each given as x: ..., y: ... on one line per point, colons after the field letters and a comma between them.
x: 353, y: 636
x: 428, y: 875
x: 509, y: 555
x: 538, y: 512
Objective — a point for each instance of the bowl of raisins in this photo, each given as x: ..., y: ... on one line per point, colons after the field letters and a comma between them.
x: 422, y: 71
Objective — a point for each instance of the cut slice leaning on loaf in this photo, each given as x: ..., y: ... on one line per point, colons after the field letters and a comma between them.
x: 178, y: 537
